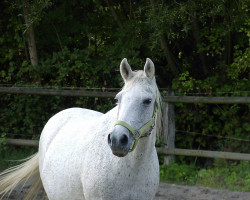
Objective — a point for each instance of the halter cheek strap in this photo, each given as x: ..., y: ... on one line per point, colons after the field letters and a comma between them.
x: 142, y: 132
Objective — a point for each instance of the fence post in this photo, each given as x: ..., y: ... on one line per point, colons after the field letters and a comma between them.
x: 168, y: 128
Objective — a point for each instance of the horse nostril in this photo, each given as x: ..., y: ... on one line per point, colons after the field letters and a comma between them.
x: 109, y: 140
x: 124, y: 139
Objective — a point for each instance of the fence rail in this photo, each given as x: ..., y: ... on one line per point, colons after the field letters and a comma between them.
x: 207, y: 100
x: 22, y: 142
x: 84, y: 93
x: 204, y: 153
x: 175, y: 151
x: 55, y: 92
x: 169, y: 123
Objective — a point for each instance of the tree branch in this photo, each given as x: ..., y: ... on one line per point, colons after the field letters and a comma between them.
x: 165, y: 47
x: 119, y: 23
x: 31, y: 34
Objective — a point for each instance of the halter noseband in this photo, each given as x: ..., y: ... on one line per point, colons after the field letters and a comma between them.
x: 142, y: 132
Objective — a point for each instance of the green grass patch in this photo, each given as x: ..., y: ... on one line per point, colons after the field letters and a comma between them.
x: 233, y: 176
x: 222, y: 175
x: 179, y: 173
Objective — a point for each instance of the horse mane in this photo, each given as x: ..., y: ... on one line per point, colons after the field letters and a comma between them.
x: 159, y: 117
x: 139, y: 77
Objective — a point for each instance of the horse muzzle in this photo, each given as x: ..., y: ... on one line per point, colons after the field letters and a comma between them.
x: 120, y: 140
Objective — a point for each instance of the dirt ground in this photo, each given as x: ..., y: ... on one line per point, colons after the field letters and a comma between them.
x: 179, y: 192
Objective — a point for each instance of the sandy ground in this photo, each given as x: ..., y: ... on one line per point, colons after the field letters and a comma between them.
x: 178, y: 192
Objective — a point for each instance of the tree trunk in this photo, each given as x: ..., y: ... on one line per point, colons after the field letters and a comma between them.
x: 119, y: 23
x: 165, y: 48
x: 230, y: 6
x: 196, y: 34
x: 228, y: 51
x: 169, y: 56
x: 31, y: 34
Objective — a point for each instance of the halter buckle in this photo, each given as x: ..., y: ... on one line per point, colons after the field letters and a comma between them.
x: 137, y: 134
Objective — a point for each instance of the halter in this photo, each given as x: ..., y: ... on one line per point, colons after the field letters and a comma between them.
x: 142, y: 132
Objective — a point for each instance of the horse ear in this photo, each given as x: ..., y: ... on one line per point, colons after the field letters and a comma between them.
x: 125, y: 70
x: 149, y: 69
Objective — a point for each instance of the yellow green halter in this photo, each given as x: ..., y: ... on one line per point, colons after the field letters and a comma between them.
x: 142, y: 132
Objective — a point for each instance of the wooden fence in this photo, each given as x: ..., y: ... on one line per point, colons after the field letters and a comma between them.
x: 169, y: 124
x: 84, y: 93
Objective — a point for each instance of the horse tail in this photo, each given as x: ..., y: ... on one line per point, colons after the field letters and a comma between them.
x: 14, y: 176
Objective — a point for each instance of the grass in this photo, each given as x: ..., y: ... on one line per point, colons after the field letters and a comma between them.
x: 222, y: 175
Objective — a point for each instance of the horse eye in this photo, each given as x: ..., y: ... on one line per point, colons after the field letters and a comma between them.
x: 117, y: 101
x: 118, y: 98
x: 147, y: 101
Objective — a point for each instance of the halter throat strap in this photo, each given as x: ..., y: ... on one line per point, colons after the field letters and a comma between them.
x: 142, y: 132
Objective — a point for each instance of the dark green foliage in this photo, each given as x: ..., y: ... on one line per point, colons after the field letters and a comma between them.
x: 80, y: 45
x: 215, y: 123
x: 14, y: 156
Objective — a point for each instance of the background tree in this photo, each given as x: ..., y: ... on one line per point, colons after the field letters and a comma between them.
x: 198, y: 47
x: 31, y: 33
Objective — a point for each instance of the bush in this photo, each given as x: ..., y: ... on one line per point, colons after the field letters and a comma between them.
x: 231, y: 176
x: 181, y: 174
x: 223, y: 175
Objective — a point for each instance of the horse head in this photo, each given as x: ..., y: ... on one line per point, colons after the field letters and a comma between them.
x: 137, y: 108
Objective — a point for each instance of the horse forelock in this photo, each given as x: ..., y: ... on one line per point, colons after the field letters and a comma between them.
x: 138, y: 78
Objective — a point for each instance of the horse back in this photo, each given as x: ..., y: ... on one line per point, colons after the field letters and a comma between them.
x: 58, y: 122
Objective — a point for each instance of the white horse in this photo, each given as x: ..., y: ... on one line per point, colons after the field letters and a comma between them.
x: 84, y: 154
